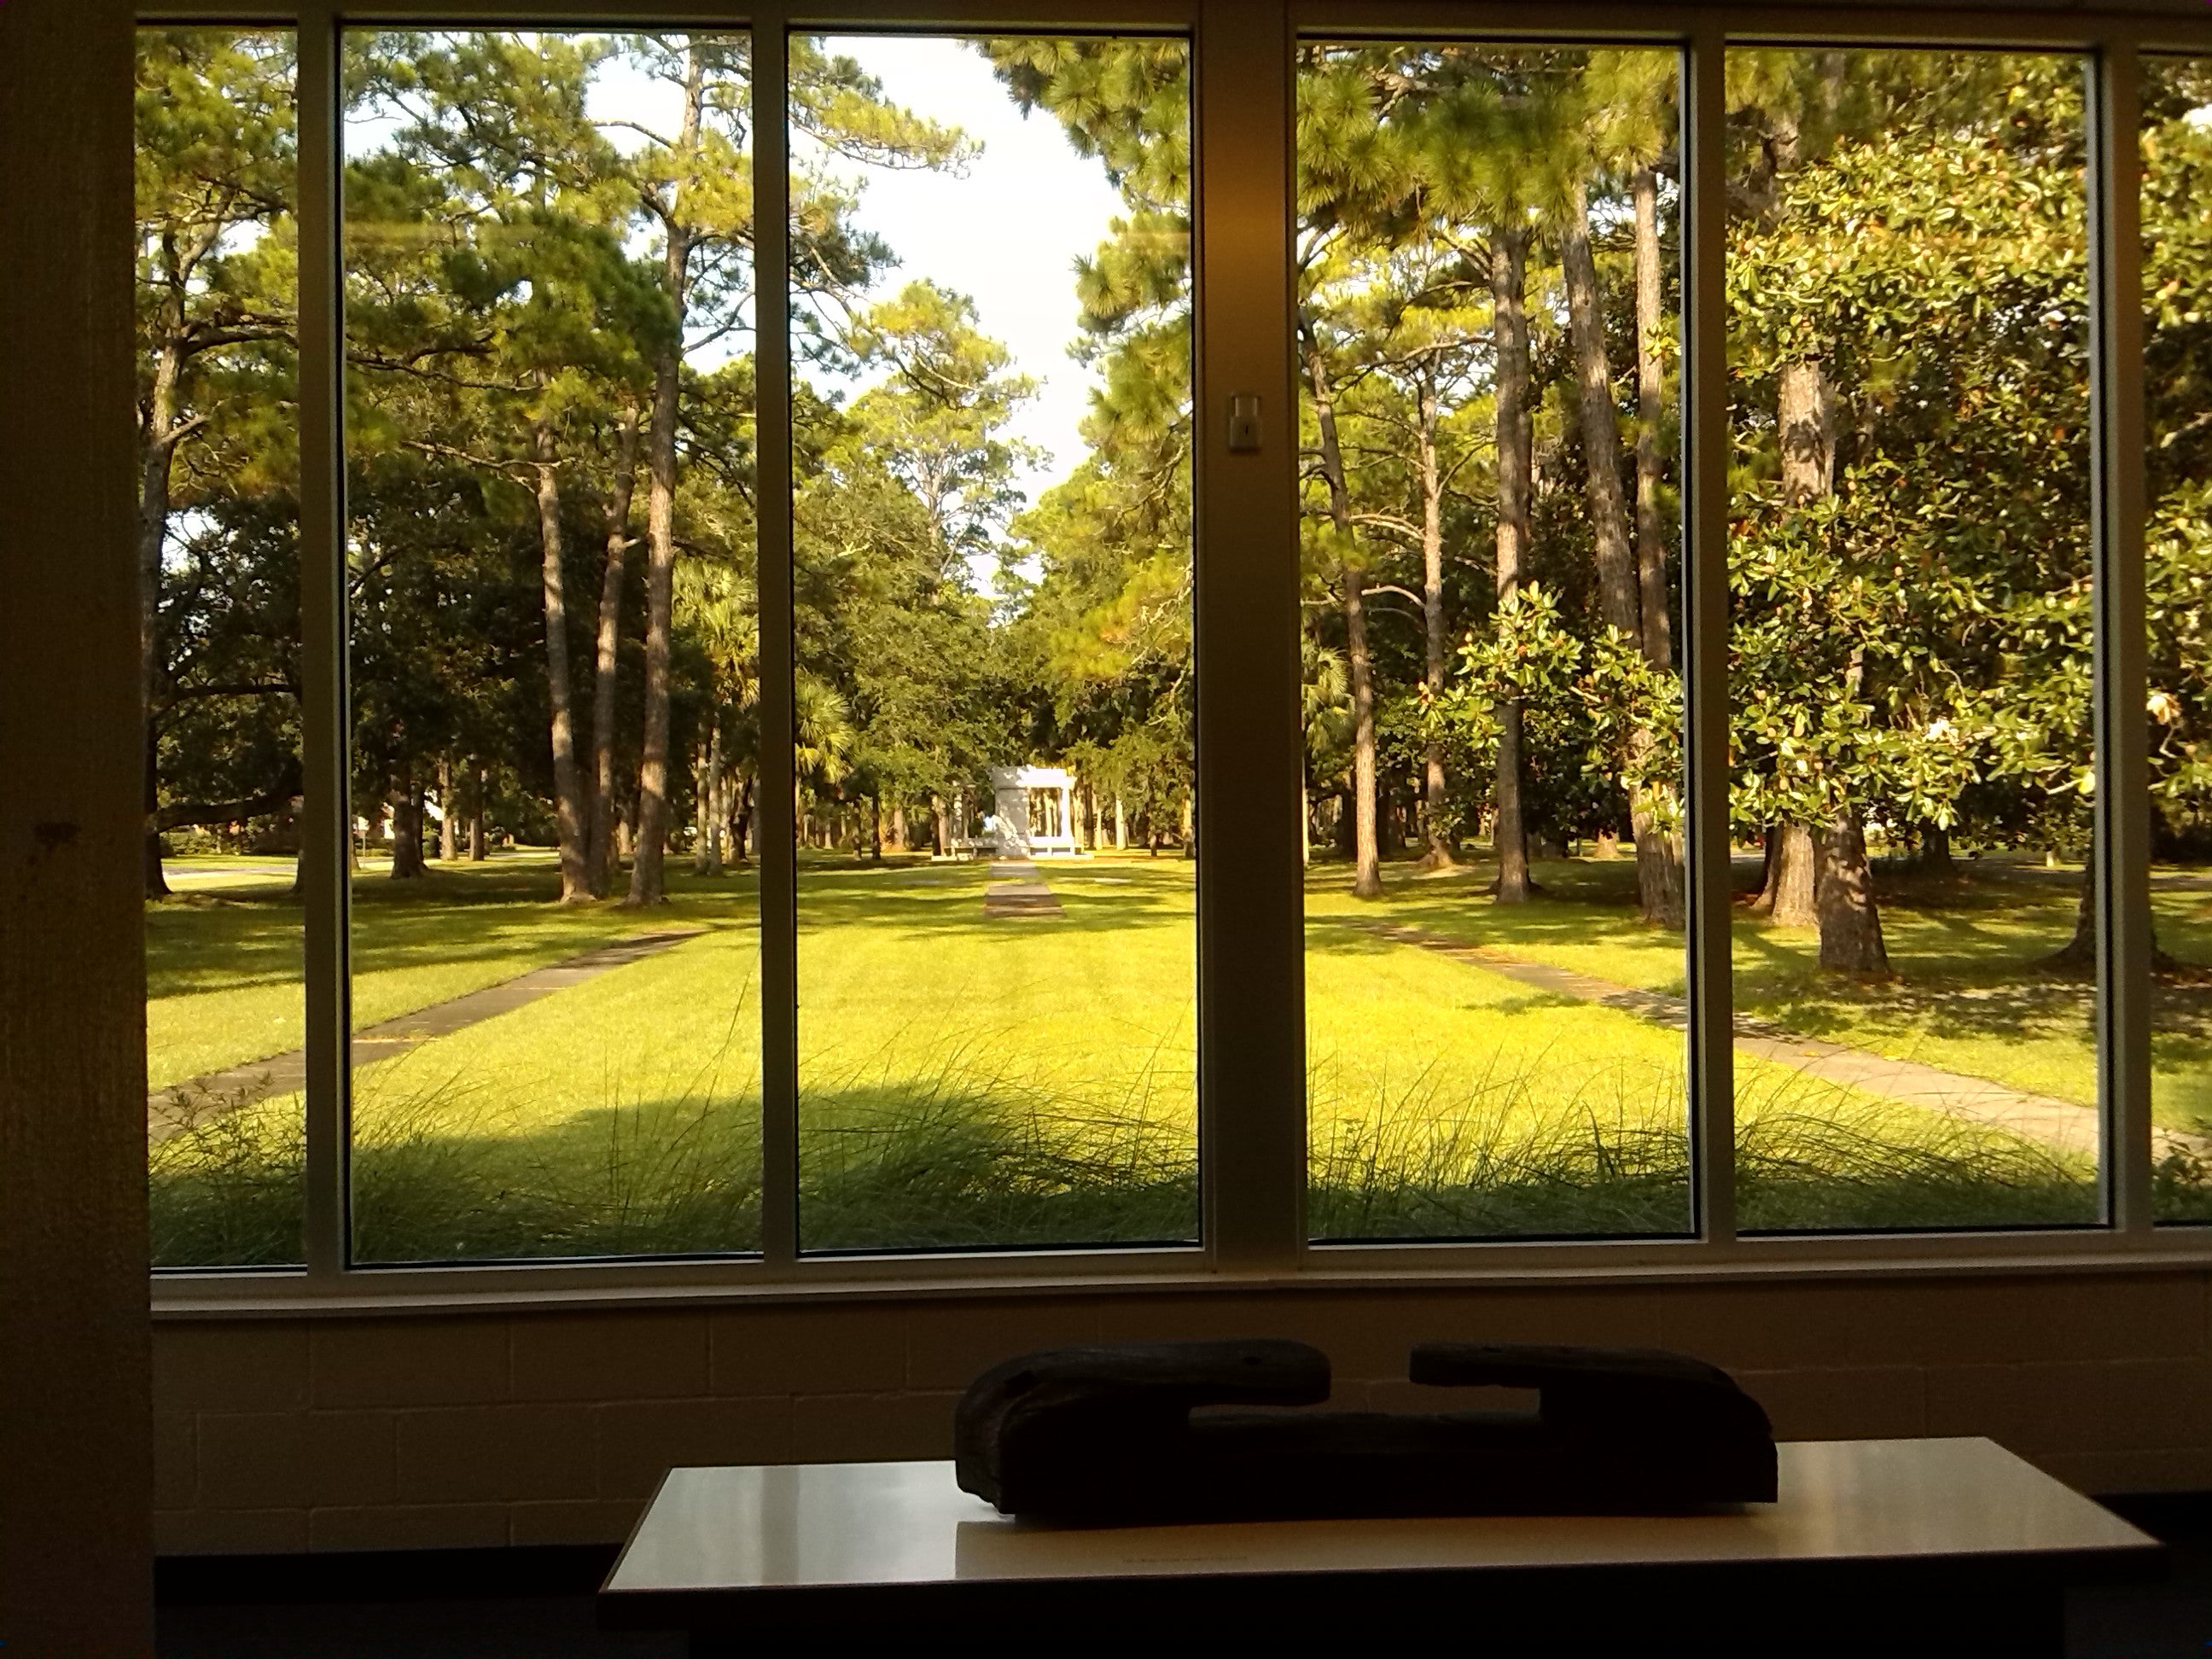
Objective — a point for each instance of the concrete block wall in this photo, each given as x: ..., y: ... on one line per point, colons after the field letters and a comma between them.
x: 354, y: 1431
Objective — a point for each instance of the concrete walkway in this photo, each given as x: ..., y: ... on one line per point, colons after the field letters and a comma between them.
x: 2060, y: 1124
x: 175, y: 1105
x: 1018, y: 888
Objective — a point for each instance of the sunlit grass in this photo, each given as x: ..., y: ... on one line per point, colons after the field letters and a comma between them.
x: 975, y: 1081
x: 223, y: 965
x: 1973, y: 992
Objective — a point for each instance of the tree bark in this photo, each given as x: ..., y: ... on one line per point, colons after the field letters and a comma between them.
x: 477, y: 852
x: 645, y: 871
x: 1120, y: 826
x: 1618, y: 599
x: 407, y: 829
x: 1932, y: 859
x: 1787, y: 899
x: 1438, y: 853
x: 1658, y: 863
x: 158, y: 438
x: 1367, y: 879
x: 741, y: 821
x: 709, y: 861
x: 1806, y: 417
x: 1515, y: 444
x: 571, y: 827
x: 448, y: 846
x: 599, y: 854
x: 1650, y: 414
x: 1851, y: 925
x: 1844, y: 897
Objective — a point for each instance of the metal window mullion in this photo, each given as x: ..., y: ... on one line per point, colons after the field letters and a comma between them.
x: 1705, y: 621
x: 324, y: 724
x: 778, y: 855
x: 1251, y: 961
x: 2122, y: 847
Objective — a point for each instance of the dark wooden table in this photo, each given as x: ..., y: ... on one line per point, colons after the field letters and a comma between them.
x: 1875, y: 1547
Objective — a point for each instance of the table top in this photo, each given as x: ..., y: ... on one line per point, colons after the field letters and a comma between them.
x: 816, y: 1526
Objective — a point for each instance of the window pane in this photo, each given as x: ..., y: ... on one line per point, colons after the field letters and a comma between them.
x: 1487, y: 293
x: 992, y: 520
x: 1911, y: 662
x: 219, y: 569
x: 548, y: 243
x: 2177, y: 239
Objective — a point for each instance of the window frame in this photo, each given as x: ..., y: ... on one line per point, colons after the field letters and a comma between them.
x: 1250, y: 925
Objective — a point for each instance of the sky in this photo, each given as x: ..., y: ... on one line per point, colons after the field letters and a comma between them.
x: 1006, y: 232
x: 1007, y: 235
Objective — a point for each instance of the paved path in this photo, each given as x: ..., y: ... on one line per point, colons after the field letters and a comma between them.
x: 170, y: 1108
x: 1017, y: 889
x: 2057, y: 1123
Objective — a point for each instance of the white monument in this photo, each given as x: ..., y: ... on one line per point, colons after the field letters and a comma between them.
x: 1034, y: 814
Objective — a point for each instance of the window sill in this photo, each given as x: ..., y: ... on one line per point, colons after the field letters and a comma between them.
x: 399, y: 1292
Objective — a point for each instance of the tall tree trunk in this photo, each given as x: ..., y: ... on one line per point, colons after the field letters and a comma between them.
x: 477, y: 851
x: 1932, y: 859
x: 1806, y: 416
x: 645, y: 874
x: 448, y: 848
x: 1844, y: 897
x: 1786, y: 897
x: 1618, y: 603
x: 1516, y: 452
x: 714, y: 786
x: 741, y: 821
x: 158, y: 435
x: 1120, y: 826
x: 1438, y: 853
x: 703, y: 809
x: 1851, y: 926
x: 645, y: 871
x: 898, y: 825
x: 1807, y: 458
x: 1658, y: 863
x: 571, y: 829
x: 1650, y: 415
x: 407, y: 827
x: 599, y: 856
x: 2079, y: 953
x: 1367, y: 880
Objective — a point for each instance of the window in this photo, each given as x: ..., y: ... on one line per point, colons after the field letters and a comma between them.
x: 2176, y: 285
x: 1911, y: 653
x: 219, y: 578
x: 992, y: 598
x: 737, y: 618
x: 1489, y: 533
x: 555, y: 658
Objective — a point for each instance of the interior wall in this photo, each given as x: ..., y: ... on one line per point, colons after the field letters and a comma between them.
x: 540, y: 1427
x: 74, y: 1561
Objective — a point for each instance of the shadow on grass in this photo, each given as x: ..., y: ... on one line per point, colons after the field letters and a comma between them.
x: 241, y: 937
x: 938, y: 1165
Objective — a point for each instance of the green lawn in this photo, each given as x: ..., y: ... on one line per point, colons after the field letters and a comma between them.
x: 974, y: 1079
